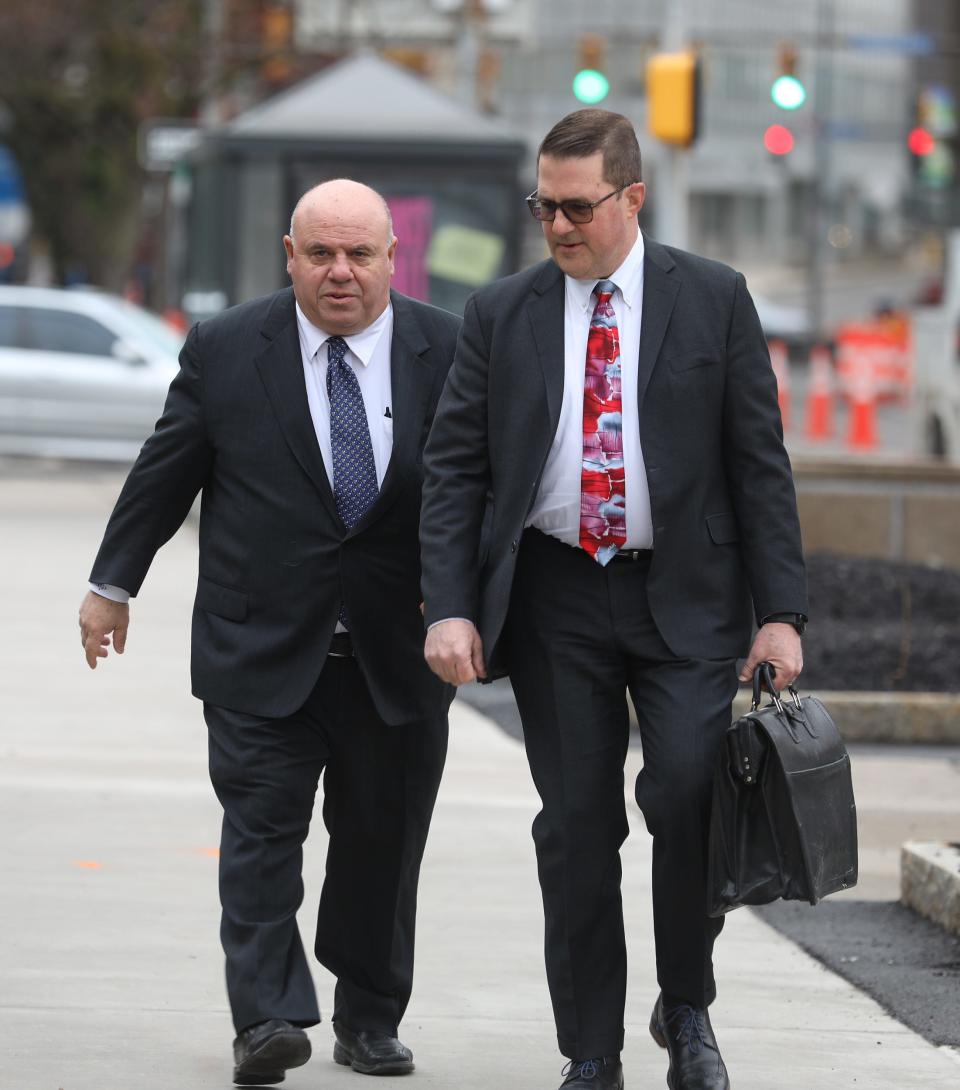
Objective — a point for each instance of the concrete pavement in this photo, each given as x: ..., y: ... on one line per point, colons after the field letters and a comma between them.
x: 111, y: 968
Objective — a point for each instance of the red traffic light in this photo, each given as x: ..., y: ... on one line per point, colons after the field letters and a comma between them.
x: 778, y: 140
x: 920, y: 141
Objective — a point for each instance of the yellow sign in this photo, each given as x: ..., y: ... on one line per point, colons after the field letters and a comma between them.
x: 465, y: 254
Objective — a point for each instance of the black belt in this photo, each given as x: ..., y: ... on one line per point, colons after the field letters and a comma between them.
x: 341, y: 646
x: 630, y: 556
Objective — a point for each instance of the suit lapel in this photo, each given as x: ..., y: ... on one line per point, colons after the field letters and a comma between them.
x: 661, y: 283
x: 660, y: 286
x: 547, y: 322
x: 281, y: 370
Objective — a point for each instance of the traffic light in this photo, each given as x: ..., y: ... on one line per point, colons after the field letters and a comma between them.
x: 787, y: 91
x: 276, y: 35
x: 778, y: 140
x: 931, y: 141
x: 673, y: 97
x: 921, y: 141
x: 590, y: 84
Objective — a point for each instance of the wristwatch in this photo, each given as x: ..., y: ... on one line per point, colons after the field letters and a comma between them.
x: 798, y: 620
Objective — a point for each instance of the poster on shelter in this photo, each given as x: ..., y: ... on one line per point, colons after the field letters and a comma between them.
x: 413, y: 226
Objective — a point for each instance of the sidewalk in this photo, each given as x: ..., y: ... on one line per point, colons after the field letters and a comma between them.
x: 111, y: 968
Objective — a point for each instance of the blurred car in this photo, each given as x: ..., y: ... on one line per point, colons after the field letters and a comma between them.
x: 83, y: 374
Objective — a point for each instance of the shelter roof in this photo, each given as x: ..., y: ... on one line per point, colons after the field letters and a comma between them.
x: 366, y: 97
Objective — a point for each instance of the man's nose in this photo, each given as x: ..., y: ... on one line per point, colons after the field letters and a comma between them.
x: 341, y: 268
x: 561, y: 225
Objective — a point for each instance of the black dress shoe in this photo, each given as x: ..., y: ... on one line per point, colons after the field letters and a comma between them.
x: 695, y: 1060
x: 262, y: 1053
x: 605, y: 1073
x: 371, y: 1053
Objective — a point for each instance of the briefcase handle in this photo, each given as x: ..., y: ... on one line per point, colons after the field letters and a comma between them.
x: 765, y: 673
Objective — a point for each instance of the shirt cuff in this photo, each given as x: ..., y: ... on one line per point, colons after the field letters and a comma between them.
x: 445, y: 619
x: 115, y: 594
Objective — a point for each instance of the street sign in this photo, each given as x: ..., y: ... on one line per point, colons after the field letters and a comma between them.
x: 162, y: 143
x: 911, y: 45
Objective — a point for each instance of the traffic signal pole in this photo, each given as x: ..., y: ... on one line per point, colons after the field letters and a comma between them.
x: 672, y: 198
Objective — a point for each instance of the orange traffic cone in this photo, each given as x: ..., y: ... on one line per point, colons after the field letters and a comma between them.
x: 177, y: 319
x: 862, y: 429
x: 781, y: 369
x: 820, y: 394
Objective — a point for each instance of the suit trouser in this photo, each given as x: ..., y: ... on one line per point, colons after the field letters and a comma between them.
x: 379, y: 786
x: 578, y: 636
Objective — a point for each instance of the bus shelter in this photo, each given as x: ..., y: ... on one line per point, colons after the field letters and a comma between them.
x: 449, y: 174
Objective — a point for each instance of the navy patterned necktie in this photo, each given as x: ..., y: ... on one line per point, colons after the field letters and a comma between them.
x: 354, y: 470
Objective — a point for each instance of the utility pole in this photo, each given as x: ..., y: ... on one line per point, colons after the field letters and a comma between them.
x: 213, y: 25
x: 470, y: 33
x: 822, y: 140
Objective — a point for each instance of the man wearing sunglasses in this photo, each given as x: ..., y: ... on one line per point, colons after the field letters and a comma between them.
x: 608, y: 506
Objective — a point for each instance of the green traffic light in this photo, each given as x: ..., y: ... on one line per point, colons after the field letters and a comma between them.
x: 590, y: 86
x: 788, y: 93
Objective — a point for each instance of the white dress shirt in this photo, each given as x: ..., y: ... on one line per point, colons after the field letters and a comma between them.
x: 556, y: 510
x: 368, y: 353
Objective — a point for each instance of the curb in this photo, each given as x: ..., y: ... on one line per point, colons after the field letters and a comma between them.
x: 890, y: 718
x: 930, y: 882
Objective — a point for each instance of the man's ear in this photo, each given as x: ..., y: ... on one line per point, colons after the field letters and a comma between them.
x: 636, y: 194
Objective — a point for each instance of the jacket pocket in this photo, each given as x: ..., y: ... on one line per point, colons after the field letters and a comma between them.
x: 723, y: 528
x: 224, y: 602
x: 695, y: 357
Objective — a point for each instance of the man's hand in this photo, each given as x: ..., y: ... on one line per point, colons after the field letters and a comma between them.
x: 454, y: 652
x: 99, y: 618
x: 778, y: 644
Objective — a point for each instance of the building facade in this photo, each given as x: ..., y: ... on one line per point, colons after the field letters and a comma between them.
x: 848, y: 172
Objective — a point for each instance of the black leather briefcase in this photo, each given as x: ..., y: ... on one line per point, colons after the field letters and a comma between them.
x: 784, y: 822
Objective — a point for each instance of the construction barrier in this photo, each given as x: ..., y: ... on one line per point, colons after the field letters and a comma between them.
x: 886, y: 344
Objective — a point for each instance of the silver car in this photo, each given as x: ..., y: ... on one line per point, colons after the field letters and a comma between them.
x: 83, y: 374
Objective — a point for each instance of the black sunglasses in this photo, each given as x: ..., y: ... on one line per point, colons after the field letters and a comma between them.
x: 575, y: 211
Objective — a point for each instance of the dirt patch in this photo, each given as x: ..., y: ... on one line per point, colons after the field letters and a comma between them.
x: 880, y: 625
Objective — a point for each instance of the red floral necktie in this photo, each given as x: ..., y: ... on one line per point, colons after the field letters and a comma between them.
x: 603, y: 517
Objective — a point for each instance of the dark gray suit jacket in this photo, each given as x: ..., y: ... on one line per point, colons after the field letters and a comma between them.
x: 726, y: 531
x: 275, y: 557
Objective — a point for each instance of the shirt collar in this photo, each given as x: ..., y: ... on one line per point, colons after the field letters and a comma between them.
x: 628, y: 278
x: 362, y: 344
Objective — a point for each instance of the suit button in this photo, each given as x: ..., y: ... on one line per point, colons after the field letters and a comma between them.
x: 513, y: 546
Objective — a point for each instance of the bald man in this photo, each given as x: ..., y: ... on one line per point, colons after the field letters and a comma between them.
x: 300, y: 419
